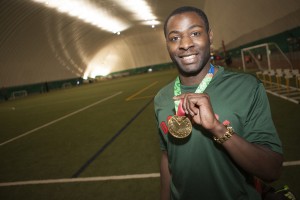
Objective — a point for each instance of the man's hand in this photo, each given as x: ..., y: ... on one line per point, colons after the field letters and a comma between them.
x: 199, y: 108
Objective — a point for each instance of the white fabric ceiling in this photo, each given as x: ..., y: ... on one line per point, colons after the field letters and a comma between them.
x: 39, y: 44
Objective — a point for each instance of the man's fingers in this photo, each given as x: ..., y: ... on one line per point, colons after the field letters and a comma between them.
x: 178, y: 97
x: 190, y: 105
x: 192, y: 102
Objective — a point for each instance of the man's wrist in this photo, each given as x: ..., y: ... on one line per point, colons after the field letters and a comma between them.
x: 229, y: 132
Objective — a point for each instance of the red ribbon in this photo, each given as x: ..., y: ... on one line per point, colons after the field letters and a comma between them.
x: 180, y: 111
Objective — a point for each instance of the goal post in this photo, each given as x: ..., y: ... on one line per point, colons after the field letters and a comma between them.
x: 18, y: 94
x: 66, y: 85
x: 266, y: 56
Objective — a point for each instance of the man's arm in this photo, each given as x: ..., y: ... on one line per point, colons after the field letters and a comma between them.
x: 253, y: 158
x: 165, y: 177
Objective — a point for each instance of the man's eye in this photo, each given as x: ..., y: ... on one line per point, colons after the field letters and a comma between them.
x: 174, y: 38
x: 196, y: 33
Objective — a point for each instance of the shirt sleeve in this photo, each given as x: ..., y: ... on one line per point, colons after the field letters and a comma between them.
x: 162, y: 141
x: 259, y: 126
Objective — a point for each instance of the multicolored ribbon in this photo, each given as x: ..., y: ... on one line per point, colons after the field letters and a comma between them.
x: 201, y: 87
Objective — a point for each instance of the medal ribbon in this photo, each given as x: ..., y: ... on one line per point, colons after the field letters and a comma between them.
x: 201, y: 87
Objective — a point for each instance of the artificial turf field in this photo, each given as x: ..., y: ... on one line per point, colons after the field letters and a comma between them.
x: 82, y: 142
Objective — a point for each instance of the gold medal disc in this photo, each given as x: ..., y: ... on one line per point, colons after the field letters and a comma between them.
x: 180, y: 126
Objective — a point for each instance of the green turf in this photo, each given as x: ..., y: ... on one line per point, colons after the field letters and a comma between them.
x: 286, y: 117
x: 61, y: 149
x: 145, y: 189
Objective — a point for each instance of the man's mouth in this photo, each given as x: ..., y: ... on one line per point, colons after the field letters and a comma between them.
x: 187, y: 59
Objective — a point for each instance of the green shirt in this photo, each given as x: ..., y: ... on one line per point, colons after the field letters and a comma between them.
x: 200, y: 167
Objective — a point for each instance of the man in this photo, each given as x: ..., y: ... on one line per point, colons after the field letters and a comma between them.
x: 215, y: 126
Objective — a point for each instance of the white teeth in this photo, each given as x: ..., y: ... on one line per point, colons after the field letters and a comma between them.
x: 188, y: 57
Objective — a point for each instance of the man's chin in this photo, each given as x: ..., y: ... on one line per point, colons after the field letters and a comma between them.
x: 189, y: 72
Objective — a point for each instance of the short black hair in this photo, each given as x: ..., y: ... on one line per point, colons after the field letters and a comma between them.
x: 185, y: 9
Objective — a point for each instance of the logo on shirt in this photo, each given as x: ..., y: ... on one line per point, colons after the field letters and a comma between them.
x: 164, y: 126
x: 225, y: 123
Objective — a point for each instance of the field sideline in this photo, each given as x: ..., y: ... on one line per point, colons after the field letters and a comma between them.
x: 99, y: 141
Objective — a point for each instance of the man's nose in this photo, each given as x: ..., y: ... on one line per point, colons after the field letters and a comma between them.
x: 186, y: 43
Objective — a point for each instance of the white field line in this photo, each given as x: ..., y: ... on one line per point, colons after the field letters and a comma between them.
x: 59, y: 119
x: 86, y: 179
x: 291, y: 163
x: 142, y: 90
x: 101, y: 178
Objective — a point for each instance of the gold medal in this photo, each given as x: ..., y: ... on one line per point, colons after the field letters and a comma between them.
x: 180, y: 126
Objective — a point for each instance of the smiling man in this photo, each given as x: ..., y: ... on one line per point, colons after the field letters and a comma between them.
x: 215, y: 127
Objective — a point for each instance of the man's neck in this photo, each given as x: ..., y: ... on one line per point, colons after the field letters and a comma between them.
x: 194, y: 80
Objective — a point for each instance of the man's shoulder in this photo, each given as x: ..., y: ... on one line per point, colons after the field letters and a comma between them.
x: 239, y: 77
x: 165, y: 92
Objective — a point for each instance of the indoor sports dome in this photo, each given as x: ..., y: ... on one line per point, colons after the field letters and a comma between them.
x: 69, y: 42
x: 86, y: 100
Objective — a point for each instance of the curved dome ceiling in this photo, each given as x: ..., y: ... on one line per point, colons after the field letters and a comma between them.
x: 39, y: 44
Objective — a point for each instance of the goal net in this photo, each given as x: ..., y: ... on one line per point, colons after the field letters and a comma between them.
x: 18, y: 94
x: 267, y: 56
x: 66, y: 85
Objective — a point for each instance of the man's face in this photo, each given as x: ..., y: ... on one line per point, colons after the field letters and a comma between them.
x: 188, y: 42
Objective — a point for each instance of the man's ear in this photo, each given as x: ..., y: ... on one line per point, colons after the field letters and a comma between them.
x: 210, y: 34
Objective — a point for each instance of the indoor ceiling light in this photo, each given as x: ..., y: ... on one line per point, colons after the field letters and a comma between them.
x: 151, y: 22
x: 87, y: 12
x: 140, y: 9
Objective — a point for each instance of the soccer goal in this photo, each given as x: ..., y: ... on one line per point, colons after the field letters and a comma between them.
x: 18, y: 94
x: 267, y: 56
x: 66, y: 85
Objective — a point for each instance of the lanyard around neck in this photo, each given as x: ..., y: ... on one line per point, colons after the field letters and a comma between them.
x: 201, y: 87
